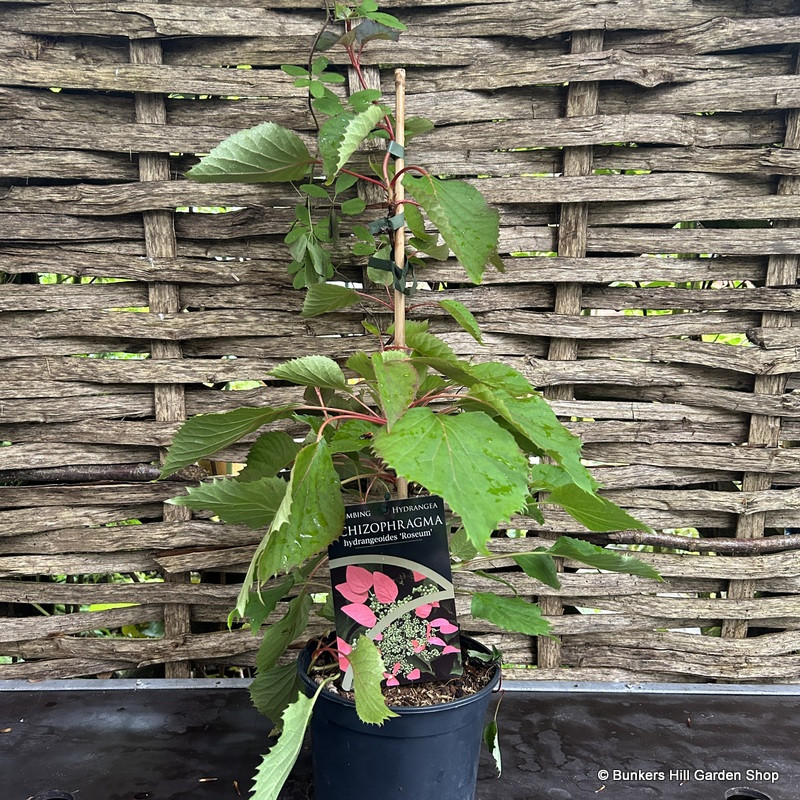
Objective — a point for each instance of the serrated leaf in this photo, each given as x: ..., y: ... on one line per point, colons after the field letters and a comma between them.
x: 279, y: 636
x: 269, y: 454
x: 417, y: 126
x: 461, y: 548
x: 324, y: 297
x: 206, y: 434
x: 349, y: 436
x: 330, y: 137
x: 600, y: 558
x: 361, y: 364
x: 368, y: 672
x: 311, y: 515
x: 363, y: 99
x: 467, y: 458
x: 463, y: 316
x: 267, y: 153
x: 355, y: 132
x: 273, y: 690
x: 595, y: 512
x: 429, y: 346
x: 397, y: 383
x: 277, y: 764
x: 262, y: 603
x: 510, y: 613
x: 253, y: 504
x: 312, y: 371
x: 532, y: 417
x: 540, y: 567
x: 469, y: 227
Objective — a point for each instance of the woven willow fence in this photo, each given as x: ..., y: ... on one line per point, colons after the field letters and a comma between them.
x: 644, y: 157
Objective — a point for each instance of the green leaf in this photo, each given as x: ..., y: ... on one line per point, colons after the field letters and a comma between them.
x: 344, y: 182
x: 353, y: 206
x: 465, y: 222
x: 361, y: 364
x: 329, y: 139
x: 354, y: 133
x: 540, y: 567
x: 349, y: 436
x: 371, y: 29
x: 362, y: 100
x: 547, y: 476
x: 467, y: 458
x: 595, y: 512
x: 319, y: 65
x: 331, y: 77
x: 386, y: 19
x: 311, y: 515
x: 429, y: 346
x: 267, y: 153
x: 427, y: 243
x: 253, y: 504
x: 314, y: 190
x: 328, y: 105
x: 273, y: 690
x: 294, y: 71
x: 279, y: 636
x: 318, y: 371
x: 324, y: 297
x: 262, y: 603
x: 368, y: 672
x: 277, y: 764
x: 600, y: 558
x: 463, y: 316
x: 461, y: 548
x: 397, y: 382
x: 533, y: 418
x: 510, y: 613
x: 206, y: 434
x: 491, y: 741
x: 270, y: 453
x: 417, y: 126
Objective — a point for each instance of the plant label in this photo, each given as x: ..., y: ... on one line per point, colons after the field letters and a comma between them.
x: 391, y: 579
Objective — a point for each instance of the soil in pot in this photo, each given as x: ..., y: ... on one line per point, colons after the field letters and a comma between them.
x: 426, y: 753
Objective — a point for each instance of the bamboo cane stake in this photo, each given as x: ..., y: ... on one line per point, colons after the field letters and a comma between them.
x: 397, y: 198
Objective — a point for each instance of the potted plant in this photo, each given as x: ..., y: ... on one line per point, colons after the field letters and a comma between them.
x: 409, y: 418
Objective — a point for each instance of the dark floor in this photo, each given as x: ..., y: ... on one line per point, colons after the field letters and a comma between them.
x: 562, y: 742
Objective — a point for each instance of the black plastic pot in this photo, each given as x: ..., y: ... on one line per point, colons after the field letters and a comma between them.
x: 427, y: 753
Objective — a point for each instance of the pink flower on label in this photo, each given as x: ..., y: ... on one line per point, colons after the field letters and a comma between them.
x: 362, y: 614
x: 391, y: 680
x: 449, y: 649
x: 423, y: 612
x: 385, y: 588
x: 344, y: 649
x: 378, y: 637
x: 347, y: 592
x: 396, y: 668
x: 358, y: 579
x: 418, y: 576
x: 414, y: 675
x: 418, y: 648
x: 444, y: 625
x: 437, y: 641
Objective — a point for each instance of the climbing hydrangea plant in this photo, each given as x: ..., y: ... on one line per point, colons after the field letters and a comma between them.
x: 408, y: 413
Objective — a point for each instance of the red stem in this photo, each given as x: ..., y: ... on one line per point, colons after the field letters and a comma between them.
x: 375, y: 299
x: 364, y: 178
x: 421, y: 170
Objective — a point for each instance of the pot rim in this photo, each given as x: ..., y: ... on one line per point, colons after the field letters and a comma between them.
x: 310, y: 683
